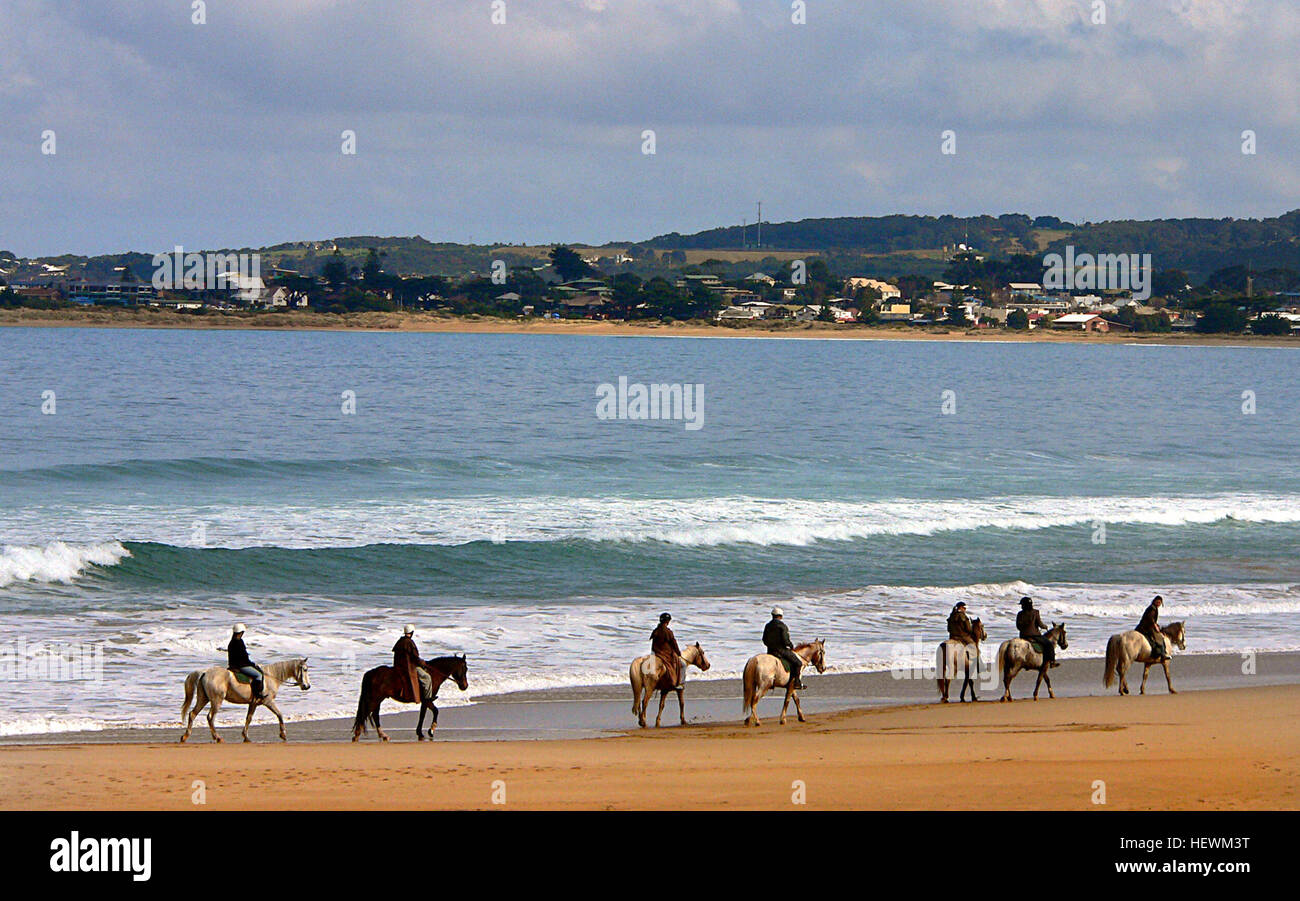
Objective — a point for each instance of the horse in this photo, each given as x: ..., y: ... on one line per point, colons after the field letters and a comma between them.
x: 953, y: 652
x: 386, y: 682
x: 763, y: 672
x: 1018, y: 654
x: 1132, y: 646
x: 645, y: 673
x: 218, y: 683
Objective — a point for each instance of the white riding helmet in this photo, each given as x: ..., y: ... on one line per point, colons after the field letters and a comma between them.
x: 777, y: 611
x: 239, y: 627
x: 408, y: 629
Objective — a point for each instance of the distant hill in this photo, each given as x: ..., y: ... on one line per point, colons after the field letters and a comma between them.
x: 881, y: 245
x: 1198, y: 246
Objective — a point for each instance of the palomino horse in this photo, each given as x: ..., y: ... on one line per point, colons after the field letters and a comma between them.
x: 952, y: 653
x: 1132, y: 647
x: 386, y: 682
x: 763, y: 672
x: 1018, y: 654
x: 216, y: 684
x: 645, y: 673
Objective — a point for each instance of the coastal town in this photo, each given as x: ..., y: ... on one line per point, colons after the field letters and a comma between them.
x: 783, y: 291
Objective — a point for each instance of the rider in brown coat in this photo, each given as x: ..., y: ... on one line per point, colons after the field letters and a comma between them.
x: 1031, y: 628
x: 959, y: 626
x: 663, y: 644
x: 406, y: 659
x: 1149, y: 628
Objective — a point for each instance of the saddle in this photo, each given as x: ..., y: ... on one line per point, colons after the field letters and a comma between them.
x: 240, y: 677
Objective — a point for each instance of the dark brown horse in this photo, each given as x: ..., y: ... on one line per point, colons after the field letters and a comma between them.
x: 384, y: 683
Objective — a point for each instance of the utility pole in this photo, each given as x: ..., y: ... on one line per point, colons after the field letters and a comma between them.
x: 759, y: 242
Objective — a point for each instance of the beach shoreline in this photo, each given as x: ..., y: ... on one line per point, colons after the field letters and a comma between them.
x: 1215, y: 749
x: 428, y: 323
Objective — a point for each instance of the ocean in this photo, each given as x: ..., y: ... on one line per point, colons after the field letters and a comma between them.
x: 328, y: 487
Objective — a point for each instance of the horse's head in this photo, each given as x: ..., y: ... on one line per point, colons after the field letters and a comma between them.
x: 460, y: 671
x: 1058, y: 632
x: 1176, y: 633
x: 977, y: 629
x: 819, y: 655
x: 301, y: 676
x: 700, y: 660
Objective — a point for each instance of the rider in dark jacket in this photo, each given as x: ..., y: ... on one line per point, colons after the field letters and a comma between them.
x: 239, y: 661
x: 1149, y: 628
x: 776, y: 637
x: 1031, y: 629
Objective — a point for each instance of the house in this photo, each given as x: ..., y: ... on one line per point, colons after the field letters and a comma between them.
x: 813, y: 312
x: 1026, y: 289
x: 734, y: 313
x: 587, y: 304
x: 243, y: 289
x: 762, y: 277
x: 895, y: 312
x: 1088, y: 322
x: 887, y: 291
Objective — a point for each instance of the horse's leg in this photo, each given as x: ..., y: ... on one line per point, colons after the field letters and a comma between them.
x: 419, y: 724
x: 943, y: 691
x: 1123, y: 671
x: 663, y: 698
x: 1146, y: 671
x: 648, y: 692
x: 269, y: 704
x: 433, y: 717
x: 785, y: 705
x: 681, y: 704
x: 1168, y: 680
x: 798, y: 709
x: 199, y: 703
x: 1041, y: 673
x: 1047, y: 679
x: 252, y: 707
x: 753, y: 705
x: 1007, y: 675
x: 374, y: 715
x: 215, y: 705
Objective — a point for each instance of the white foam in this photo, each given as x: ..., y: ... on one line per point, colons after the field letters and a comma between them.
x: 694, y: 522
x: 57, y: 561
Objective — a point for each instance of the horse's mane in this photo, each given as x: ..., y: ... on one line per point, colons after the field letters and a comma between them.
x: 446, y: 663
x: 804, y: 646
x: 282, y: 669
x: 1180, y: 624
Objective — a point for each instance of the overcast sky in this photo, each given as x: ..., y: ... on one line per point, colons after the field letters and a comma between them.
x: 229, y: 133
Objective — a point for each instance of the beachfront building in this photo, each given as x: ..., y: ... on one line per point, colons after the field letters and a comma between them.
x: 887, y: 291
x: 1088, y: 322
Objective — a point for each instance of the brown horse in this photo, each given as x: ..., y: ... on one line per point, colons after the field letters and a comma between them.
x: 387, y: 683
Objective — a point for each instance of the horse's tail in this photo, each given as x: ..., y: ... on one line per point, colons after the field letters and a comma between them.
x: 634, y: 676
x: 359, y: 725
x: 750, y: 677
x: 191, y: 682
x: 943, y: 664
x: 1001, y: 661
x: 1112, y: 660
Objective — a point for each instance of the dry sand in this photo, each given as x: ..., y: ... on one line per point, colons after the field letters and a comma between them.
x: 1214, y: 749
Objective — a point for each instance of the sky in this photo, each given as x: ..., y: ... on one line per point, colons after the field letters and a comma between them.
x: 229, y: 132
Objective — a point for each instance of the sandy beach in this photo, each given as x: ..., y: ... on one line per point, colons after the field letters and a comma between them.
x: 1209, y: 748
x: 416, y: 322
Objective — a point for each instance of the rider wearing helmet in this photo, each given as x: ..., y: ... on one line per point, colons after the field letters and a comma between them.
x: 1030, y: 625
x: 239, y: 661
x: 663, y: 644
x: 406, y: 660
x: 776, y: 637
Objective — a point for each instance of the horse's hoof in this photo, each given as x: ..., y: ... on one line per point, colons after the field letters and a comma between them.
x: 1173, y: 691
x: 419, y: 736
x: 354, y: 738
x: 218, y: 739
x: 383, y: 738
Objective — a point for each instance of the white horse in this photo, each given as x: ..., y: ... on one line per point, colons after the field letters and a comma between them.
x: 645, y: 673
x: 217, y: 684
x: 1018, y: 654
x: 953, y: 653
x: 1133, y: 647
x: 763, y: 672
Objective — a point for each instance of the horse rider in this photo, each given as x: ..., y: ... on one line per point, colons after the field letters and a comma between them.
x: 239, y: 662
x: 1031, y: 627
x: 776, y: 637
x: 959, y: 626
x: 406, y: 659
x: 663, y: 644
x: 1149, y: 628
